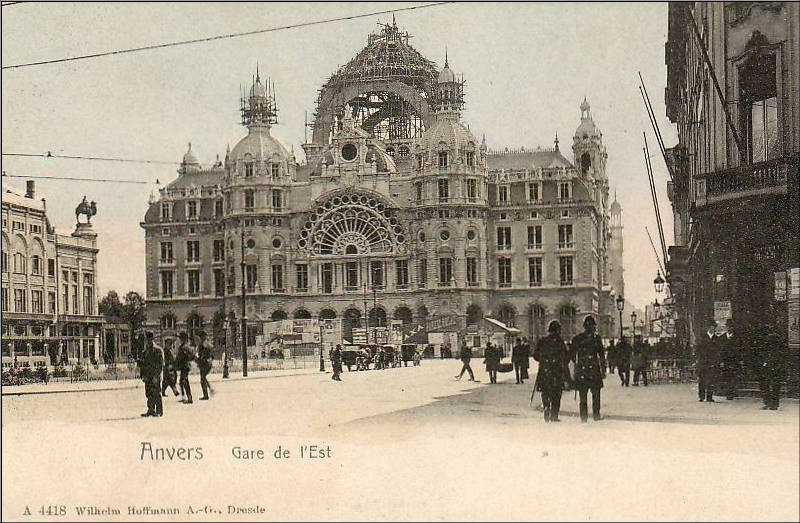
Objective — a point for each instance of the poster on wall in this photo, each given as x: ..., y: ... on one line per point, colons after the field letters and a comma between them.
x: 722, y: 313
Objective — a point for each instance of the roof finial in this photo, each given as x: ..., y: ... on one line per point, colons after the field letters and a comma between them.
x: 445, y: 56
x: 394, y: 23
x: 258, y: 78
x: 556, y: 141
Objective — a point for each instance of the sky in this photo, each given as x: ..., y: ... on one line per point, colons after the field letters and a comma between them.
x: 527, y: 68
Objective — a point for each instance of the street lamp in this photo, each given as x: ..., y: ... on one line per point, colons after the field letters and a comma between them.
x: 633, y: 321
x: 659, y: 282
x: 225, y: 326
x: 620, y: 307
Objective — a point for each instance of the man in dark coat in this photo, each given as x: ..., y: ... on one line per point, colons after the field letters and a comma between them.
x: 491, y: 358
x: 551, y: 353
x: 151, y: 368
x: 336, y: 362
x: 611, y: 356
x: 466, y: 356
x: 590, y: 367
x: 707, y: 353
x: 729, y: 361
x: 183, y: 363
x: 774, y: 362
x: 624, y: 362
x: 639, y: 362
x: 170, y: 373
x: 205, y: 361
x: 519, y: 357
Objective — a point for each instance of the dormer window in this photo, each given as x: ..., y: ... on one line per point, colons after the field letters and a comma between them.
x: 586, y: 162
x: 470, y: 159
x: 248, y: 170
x: 502, y: 194
x: 191, y: 210
x: 276, y: 170
x: 442, y: 159
x: 564, y: 191
x: 166, y: 212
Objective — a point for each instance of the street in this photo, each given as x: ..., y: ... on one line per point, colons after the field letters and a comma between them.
x: 405, y: 443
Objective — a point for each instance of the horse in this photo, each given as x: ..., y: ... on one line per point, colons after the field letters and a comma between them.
x: 86, y: 209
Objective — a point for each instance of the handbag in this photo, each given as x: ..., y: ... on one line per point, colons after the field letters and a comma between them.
x: 505, y: 367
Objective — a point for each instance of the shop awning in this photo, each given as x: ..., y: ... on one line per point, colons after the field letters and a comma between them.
x: 499, y: 325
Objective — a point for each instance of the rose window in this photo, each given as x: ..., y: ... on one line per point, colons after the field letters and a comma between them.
x: 352, y: 224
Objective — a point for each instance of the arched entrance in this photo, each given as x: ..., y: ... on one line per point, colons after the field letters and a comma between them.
x: 474, y: 314
x: 302, y: 314
x: 279, y: 315
x: 377, y: 317
x: 327, y: 314
x: 403, y: 314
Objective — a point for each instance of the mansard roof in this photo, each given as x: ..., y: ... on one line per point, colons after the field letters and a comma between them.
x: 524, y: 158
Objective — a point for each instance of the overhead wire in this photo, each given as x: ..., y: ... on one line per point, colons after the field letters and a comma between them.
x: 48, y: 154
x: 221, y: 37
x: 74, y: 178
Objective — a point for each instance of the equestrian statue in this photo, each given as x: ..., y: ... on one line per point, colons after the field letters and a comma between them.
x: 87, y: 209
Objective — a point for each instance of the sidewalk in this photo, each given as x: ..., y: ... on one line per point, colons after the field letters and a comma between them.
x: 105, y: 385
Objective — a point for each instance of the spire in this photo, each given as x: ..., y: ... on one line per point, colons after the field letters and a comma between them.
x: 258, y: 78
x: 446, y: 64
x: 556, y: 141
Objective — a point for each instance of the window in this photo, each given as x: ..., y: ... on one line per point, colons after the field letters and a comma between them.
x: 20, y: 263
x: 504, y: 238
x: 17, y: 226
x: 4, y: 298
x: 166, y: 252
x: 327, y: 278
x: 20, y: 301
x: 36, y: 302
x: 504, y: 272
x: 165, y: 231
x: 445, y: 272
x: 168, y: 321
x: 248, y: 170
x: 444, y: 235
x: 88, y: 299
x: 351, y: 275
x: 166, y: 212
x: 376, y: 274
x: 534, y: 236
x: 564, y: 190
x: 418, y: 191
x: 403, y: 151
x: 65, y: 291
x: 759, y: 102
x: 444, y: 190
x: 219, y: 250
x: 472, y: 189
x: 401, y: 273
x: 219, y: 282
x: 193, y: 251
x: 36, y: 229
x: 566, y: 214
x: 276, y: 170
x: 565, y: 270
x: 534, y: 215
x: 420, y: 161
x: 502, y: 194
x: 75, y: 297
x: 534, y: 193
x: 301, y: 271
x: 277, y: 277
x: 191, y: 210
x: 218, y: 209
x: 51, y: 267
x: 36, y: 265
x: 534, y: 272
x: 193, y: 282
x: 442, y: 159
x: 249, y: 199
x: 277, y: 199
x: 422, y: 272
x: 51, y: 302
x: 470, y: 159
x: 167, y: 284
x: 5, y: 261
x: 251, y: 276
x: 565, y: 236
x: 472, y: 271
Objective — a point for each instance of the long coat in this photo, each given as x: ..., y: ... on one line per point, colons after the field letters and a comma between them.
x: 551, y: 353
x: 707, y: 352
x: 520, y: 354
x: 204, y: 358
x: 590, y: 360
x: 492, y: 357
x: 184, y: 359
x: 152, y: 363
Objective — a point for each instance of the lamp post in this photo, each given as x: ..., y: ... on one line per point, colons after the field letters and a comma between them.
x: 633, y: 322
x: 225, y: 369
x: 620, y: 307
x: 243, y: 334
x: 321, y: 357
x: 658, y: 282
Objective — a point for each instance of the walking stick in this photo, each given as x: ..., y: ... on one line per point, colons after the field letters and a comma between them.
x: 535, y: 383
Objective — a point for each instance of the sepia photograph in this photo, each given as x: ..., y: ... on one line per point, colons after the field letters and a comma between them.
x: 400, y: 261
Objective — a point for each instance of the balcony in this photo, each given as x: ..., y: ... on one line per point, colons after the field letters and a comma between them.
x: 745, y: 181
x: 504, y: 285
x: 534, y: 283
x: 535, y: 247
x: 504, y: 247
x: 278, y: 290
x: 566, y: 245
x: 567, y: 283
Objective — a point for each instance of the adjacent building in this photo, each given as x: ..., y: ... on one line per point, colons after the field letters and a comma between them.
x: 733, y: 85
x: 398, y: 213
x: 49, y: 282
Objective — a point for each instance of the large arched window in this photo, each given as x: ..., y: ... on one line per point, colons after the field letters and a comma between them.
x: 278, y: 315
x: 194, y: 322
x: 474, y: 314
x: 377, y: 317
x: 352, y: 223
x: 538, y: 327
x: 302, y: 314
x: 566, y: 315
x: 422, y: 313
x: 402, y: 314
x: 508, y: 315
x: 327, y: 314
x: 350, y: 320
x: 168, y: 321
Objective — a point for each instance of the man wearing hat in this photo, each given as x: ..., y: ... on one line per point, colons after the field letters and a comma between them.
x: 590, y: 367
x: 551, y: 353
x: 707, y: 353
x: 151, y: 369
x: 205, y: 361
x: 183, y: 364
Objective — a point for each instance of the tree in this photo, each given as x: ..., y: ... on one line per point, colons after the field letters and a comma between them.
x: 110, y: 306
x: 133, y: 310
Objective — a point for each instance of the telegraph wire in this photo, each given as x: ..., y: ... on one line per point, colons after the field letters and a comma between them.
x: 8, y: 4
x: 221, y: 37
x: 49, y: 154
x: 72, y: 178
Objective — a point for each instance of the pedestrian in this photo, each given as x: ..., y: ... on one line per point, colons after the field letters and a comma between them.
x: 551, y: 353
x: 707, y: 354
x: 729, y: 361
x: 639, y: 362
x: 491, y: 358
x: 611, y: 357
x: 205, y: 360
x: 336, y: 362
x: 170, y: 373
x: 590, y: 367
x: 466, y: 356
x: 183, y: 363
x: 519, y: 358
x: 623, y: 352
x: 151, y: 368
x: 772, y: 352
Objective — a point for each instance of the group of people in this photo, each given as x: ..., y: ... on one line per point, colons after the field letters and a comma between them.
x: 623, y: 358
x: 159, y: 369
x: 719, y: 359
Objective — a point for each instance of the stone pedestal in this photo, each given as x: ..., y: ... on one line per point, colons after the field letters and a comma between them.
x: 84, y: 230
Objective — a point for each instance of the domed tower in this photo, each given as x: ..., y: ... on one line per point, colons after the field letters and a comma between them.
x: 450, y: 192
x: 190, y: 164
x: 587, y: 146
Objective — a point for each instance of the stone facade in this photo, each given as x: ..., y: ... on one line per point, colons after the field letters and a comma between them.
x: 399, y: 212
